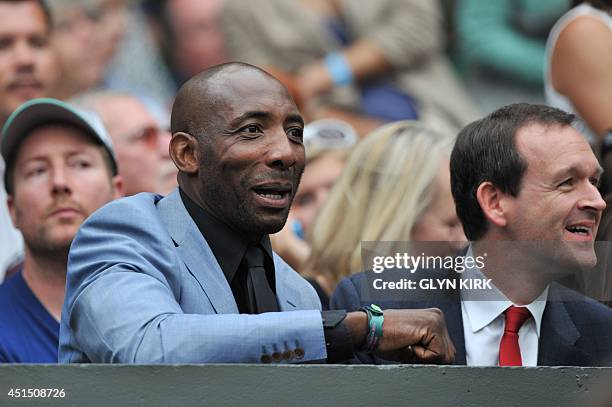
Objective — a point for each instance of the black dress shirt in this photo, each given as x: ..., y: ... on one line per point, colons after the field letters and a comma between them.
x: 229, y: 248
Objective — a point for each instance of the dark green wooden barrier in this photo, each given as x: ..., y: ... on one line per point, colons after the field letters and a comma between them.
x: 306, y: 385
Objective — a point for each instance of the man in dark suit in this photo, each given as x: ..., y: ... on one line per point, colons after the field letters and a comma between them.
x: 525, y: 188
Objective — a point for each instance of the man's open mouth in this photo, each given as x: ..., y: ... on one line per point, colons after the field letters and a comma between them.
x: 583, y: 230
x: 579, y: 230
x: 273, y: 195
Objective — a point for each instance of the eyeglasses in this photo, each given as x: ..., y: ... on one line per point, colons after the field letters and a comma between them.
x: 148, y: 135
x: 329, y: 134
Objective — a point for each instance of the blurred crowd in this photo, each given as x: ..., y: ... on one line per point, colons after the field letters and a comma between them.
x: 360, y: 64
x: 384, y: 87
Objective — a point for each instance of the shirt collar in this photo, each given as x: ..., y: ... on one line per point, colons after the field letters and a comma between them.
x: 227, y: 245
x: 482, y: 313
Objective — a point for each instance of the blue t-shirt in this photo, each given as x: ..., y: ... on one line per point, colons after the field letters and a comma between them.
x: 28, y: 333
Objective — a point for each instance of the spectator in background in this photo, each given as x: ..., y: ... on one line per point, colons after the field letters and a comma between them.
x: 363, y: 62
x: 138, y: 65
x: 28, y: 69
x: 60, y: 168
x: 501, y: 48
x: 86, y: 37
x: 27, y: 64
x: 578, y: 80
x: 168, y: 172
x: 189, y: 33
x: 395, y: 187
x: 140, y: 143
x: 197, y: 39
x: 327, y: 143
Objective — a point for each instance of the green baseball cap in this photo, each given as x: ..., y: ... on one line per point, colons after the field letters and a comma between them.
x: 42, y: 111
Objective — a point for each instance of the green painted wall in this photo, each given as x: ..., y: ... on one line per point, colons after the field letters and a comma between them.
x: 307, y: 385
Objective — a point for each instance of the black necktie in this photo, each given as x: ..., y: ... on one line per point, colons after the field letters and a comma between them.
x: 261, y: 297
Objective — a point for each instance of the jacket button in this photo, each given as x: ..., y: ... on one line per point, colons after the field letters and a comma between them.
x: 266, y: 358
x: 299, y: 353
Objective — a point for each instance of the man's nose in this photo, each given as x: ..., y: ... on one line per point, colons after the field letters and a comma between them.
x: 282, y: 152
x: 60, y: 184
x: 592, y: 199
x: 23, y: 55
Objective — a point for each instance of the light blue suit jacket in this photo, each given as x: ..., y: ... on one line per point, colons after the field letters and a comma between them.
x: 143, y: 286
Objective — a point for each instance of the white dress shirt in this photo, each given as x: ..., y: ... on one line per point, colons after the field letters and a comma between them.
x: 483, y: 326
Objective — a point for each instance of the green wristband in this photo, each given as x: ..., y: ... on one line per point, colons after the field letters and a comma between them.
x: 375, y: 324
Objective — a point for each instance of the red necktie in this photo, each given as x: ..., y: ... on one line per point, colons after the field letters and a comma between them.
x: 509, y: 351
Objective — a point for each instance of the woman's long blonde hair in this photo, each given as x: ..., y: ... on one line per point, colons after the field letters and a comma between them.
x: 386, y: 186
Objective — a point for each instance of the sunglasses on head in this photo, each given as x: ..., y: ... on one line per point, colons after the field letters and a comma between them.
x: 148, y: 135
x: 329, y: 134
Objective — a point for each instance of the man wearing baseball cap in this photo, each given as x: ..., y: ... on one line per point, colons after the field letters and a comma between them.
x: 60, y: 167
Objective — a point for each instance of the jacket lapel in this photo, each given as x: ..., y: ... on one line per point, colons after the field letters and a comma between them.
x: 558, y: 336
x: 193, y: 249
x: 290, y: 295
x: 454, y: 323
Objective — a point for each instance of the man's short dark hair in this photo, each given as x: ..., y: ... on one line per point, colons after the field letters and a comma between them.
x: 486, y: 151
x: 43, y: 6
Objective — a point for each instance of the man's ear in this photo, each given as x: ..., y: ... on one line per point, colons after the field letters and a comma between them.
x: 185, y: 152
x: 491, y: 201
x: 10, y: 203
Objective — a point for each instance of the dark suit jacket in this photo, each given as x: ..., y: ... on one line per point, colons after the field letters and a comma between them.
x: 575, y: 330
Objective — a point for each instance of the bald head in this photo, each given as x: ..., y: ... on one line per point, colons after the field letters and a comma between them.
x: 203, y: 97
x: 237, y: 142
x: 135, y: 133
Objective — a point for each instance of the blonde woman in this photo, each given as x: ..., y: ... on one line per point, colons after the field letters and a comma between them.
x: 328, y: 143
x: 395, y: 187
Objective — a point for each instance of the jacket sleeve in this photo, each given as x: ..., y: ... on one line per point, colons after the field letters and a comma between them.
x: 123, y: 296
